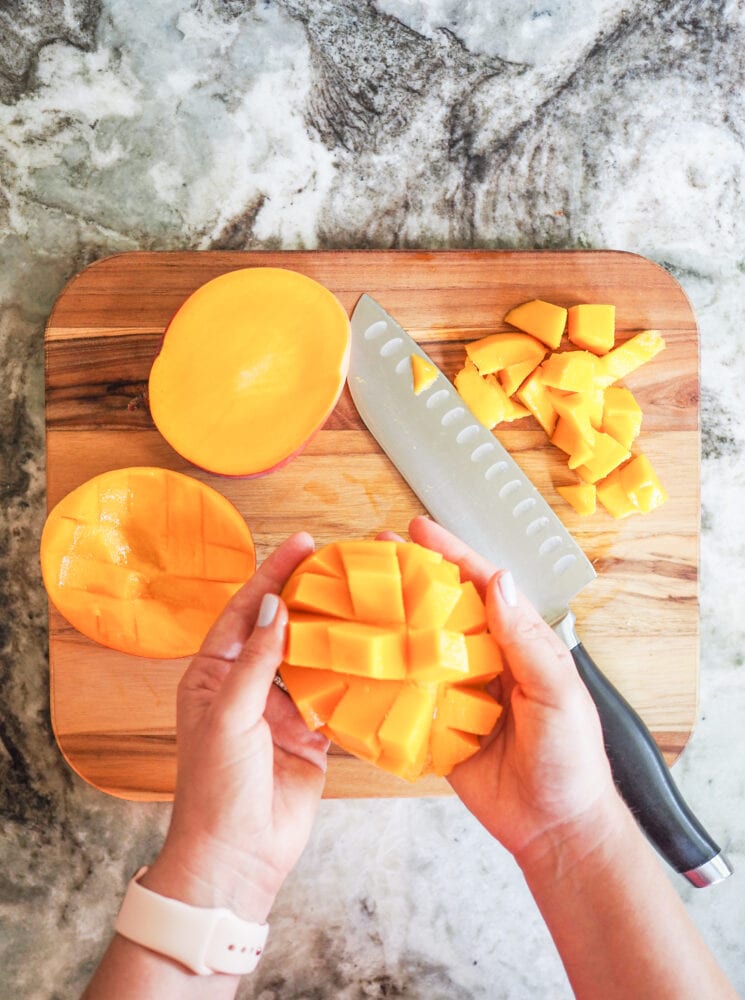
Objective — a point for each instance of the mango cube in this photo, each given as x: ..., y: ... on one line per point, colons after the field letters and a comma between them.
x: 486, y: 398
x: 469, y: 613
x: 316, y: 695
x: 430, y: 595
x: 484, y: 658
x: 571, y: 439
x: 571, y: 371
x: 622, y: 415
x: 367, y: 650
x: 374, y: 581
x: 359, y: 714
x: 449, y: 747
x: 512, y: 377
x: 502, y: 350
x: 469, y: 709
x: 582, y: 496
x: 606, y: 456
x: 641, y: 484
x: 308, y: 642
x: 592, y: 327
x: 629, y: 356
x: 536, y: 397
x: 614, y: 498
x: 404, y: 733
x: 543, y: 320
x: 434, y: 654
x: 316, y: 592
x: 326, y: 562
x: 423, y: 373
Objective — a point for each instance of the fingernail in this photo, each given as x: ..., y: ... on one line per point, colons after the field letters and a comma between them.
x: 267, y: 610
x: 507, y: 589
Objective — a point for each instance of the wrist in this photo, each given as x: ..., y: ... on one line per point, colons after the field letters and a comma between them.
x: 588, y: 843
x: 203, y: 881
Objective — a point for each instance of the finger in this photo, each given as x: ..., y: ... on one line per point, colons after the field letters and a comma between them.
x: 226, y: 638
x: 432, y: 535
x: 389, y: 536
x: 242, y: 698
x: 289, y: 731
x: 540, y: 664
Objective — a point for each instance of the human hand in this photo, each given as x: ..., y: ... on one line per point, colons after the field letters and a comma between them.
x: 541, y: 779
x: 250, y: 773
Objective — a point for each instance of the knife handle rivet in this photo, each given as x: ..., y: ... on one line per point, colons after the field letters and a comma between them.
x: 467, y: 434
x: 481, y: 450
x: 375, y: 330
x: 390, y: 347
x: 452, y: 415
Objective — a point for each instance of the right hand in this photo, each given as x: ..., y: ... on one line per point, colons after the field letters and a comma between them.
x: 542, y: 779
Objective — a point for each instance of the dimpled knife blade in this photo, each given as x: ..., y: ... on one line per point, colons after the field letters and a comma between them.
x: 461, y: 473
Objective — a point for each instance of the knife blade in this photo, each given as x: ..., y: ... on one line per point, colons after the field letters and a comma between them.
x: 471, y: 485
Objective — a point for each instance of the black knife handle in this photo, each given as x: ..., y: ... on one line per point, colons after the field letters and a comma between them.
x: 645, y: 783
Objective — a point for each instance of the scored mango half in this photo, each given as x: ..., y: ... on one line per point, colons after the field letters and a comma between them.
x: 388, y: 654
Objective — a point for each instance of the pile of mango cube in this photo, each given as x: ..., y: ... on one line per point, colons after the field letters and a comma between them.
x: 574, y: 395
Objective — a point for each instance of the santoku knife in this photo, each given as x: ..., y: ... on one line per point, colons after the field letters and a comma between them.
x: 471, y: 485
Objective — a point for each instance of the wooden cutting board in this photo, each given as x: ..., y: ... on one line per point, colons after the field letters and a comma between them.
x: 113, y: 714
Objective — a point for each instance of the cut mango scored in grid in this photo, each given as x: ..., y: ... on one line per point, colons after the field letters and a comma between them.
x: 393, y: 675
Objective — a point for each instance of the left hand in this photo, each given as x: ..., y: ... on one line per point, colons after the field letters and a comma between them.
x: 250, y: 773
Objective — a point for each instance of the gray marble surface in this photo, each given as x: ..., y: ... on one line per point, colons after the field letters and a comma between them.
x: 242, y: 124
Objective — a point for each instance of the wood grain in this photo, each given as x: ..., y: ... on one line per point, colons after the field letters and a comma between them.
x: 113, y: 714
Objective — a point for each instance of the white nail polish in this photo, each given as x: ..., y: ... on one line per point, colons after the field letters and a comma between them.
x: 507, y: 589
x: 267, y: 610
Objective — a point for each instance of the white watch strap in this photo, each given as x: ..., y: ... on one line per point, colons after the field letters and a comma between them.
x: 204, y: 940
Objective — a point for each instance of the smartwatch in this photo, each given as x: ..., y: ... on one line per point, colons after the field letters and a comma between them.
x: 204, y: 940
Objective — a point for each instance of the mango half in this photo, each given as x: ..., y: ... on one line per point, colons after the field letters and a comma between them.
x: 388, y: 654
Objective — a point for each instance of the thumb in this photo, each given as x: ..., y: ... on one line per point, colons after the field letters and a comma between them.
x: 243, y: 695
x: 540, y: 663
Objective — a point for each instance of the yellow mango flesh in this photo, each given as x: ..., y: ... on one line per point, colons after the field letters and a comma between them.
x: 571, y: 371
x: 543, y: 320
x: 486, y: 398
x: 536, y: 397
x: 423, y: 373
x: 143, y: 560
x: 502, y: 350
x: 573, y: 397
x: 641, y: 484
x: 592, y: 327
x: 629, y: 356
x: 513, y: 376
x: 582, y: 496
x: 622, y: 415
x: 613, y: 497
x: 376, y: 688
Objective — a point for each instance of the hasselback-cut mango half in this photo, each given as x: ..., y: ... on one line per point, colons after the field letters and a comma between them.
x: 249, y: 368
x: 391, y: 657
x: 143, y: 560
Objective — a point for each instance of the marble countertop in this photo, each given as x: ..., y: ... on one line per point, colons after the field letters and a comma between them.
x: 248, y: 124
